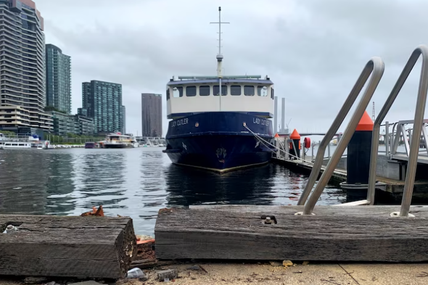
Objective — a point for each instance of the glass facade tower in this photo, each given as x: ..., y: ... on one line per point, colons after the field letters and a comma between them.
x: 58, y: 79
x: 102, y: 101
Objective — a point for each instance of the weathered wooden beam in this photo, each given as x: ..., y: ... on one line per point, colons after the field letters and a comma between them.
x: 360, y: 233
x: 83, y: 247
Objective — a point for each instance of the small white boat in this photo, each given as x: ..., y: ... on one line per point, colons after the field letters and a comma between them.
x: 30, y: 142
x: 15, y: 144
x: 117, y: 140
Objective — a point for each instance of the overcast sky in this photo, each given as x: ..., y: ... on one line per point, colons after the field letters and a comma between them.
x: 313, y: 50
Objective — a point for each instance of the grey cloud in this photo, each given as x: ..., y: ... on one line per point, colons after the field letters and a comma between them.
x: 313, y: 50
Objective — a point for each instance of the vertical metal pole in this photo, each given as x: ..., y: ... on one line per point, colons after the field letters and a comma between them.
x: 312, y: 153
x: 219, y: 56
x: 425, y: 137
x: 387, y: 139
x: 219, y: 90
x: 303, y: 149
x: 328, y: 151
x: 219, y: 53
x: 373, y: 161
x: 275, y: 115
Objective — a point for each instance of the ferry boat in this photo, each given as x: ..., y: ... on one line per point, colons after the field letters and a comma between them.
x: 117, y: 140
x: 219, y: 133
x: 15, y: 144
x: 31, y: 142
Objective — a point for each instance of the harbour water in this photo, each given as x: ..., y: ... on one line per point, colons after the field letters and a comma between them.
x: 136, y: 183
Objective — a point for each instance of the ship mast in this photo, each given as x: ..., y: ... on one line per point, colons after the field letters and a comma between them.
x: 219, y: 56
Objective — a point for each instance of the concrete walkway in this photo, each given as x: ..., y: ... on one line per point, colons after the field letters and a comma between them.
x: 266, y: 273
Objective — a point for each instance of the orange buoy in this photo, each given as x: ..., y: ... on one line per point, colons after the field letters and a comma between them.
x: 307, y: 142
x: 366, y: 123
x: 295, y: 135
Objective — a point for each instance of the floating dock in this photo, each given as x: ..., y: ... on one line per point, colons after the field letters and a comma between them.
x: 388, y: 189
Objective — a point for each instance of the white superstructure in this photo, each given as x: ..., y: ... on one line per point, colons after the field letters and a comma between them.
x: 201, y: 94
x: 117, y: 140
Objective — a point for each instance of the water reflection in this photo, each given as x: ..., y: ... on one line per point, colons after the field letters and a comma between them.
x: 187, y: 186
x: 136, y: 183
x: 60, y: 183
x: 99, y: 179
x: 151, y: 194
x: 23, y: 188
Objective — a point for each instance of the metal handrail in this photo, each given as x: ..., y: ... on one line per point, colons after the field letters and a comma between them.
x: 375, y: 67
x: 417, y: 128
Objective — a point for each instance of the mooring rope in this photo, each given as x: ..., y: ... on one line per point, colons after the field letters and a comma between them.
x: 263, y: 141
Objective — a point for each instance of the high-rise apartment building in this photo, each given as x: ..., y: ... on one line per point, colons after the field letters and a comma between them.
x: 151, y: 111
x: 123, y: 119
x: 58, y: 79
x: 22, y: 68
x: 102, y: 101
x: 65, y: 124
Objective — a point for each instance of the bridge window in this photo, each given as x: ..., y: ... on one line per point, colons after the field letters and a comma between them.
x: 204, y: 90
x: 167, y: 94
x: 262, y: 91
x: 248, y: 90
x: 190, y: 91
x: 177, y: 92
x: 272, y: 94
x: 235, y: 90
x: 216, y: 90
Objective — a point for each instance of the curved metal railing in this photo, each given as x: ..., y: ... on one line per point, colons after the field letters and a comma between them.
x: 375, y: 67
x: 417, y: 128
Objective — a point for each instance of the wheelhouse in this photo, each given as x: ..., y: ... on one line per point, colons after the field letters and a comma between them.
x: 190, y: 95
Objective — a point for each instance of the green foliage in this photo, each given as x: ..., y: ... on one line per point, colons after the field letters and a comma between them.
x: 8, y: 133
x: 71, y: 139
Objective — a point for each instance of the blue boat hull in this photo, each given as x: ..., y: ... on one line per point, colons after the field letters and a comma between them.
x: 219, y: 141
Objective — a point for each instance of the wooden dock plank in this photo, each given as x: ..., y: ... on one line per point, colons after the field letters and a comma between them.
x: 363, y: 233
x: 83, y: 247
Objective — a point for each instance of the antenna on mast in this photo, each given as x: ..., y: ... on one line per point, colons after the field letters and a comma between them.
x: 219, y: 55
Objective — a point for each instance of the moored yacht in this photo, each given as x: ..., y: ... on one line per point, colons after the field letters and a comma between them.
x: 117, y: 140
x: 219, y: 122
x: 20, y: 143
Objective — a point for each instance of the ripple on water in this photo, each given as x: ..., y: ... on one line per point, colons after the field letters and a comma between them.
x: 136, y: 183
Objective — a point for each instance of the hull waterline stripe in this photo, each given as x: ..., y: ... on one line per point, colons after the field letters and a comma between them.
x: 223, y: 170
